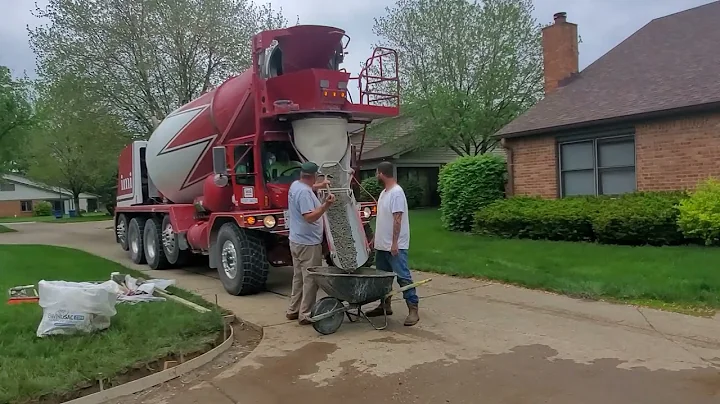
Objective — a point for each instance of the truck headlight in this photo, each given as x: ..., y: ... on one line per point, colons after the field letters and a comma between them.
x: 269, y: 221
x: 367, y: 212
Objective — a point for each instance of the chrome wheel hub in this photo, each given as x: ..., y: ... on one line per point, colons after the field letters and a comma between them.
x: 229, y: 259
x: 121, y: 231
x: 134, y: 244
x: 151, y: 249
x: 168, y: 238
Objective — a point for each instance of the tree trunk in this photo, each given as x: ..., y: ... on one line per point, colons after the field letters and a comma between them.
x: 76, y: 201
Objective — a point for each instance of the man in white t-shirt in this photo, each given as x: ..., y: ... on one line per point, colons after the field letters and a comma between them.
x: 392, y: 240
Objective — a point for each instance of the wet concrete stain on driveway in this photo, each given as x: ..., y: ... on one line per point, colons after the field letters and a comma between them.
x: 527, y: 374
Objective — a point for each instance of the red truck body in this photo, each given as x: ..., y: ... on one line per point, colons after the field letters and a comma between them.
x: 201, y: 183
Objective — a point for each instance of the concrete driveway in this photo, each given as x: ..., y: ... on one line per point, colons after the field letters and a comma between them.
x: 477, y: 342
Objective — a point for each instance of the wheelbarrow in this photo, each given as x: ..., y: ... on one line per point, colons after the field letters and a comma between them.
x: 347, y: 293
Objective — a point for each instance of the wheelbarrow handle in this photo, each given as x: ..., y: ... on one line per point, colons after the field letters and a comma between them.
x: 410, y: 286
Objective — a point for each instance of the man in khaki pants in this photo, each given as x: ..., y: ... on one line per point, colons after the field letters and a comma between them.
x: 306, y: 236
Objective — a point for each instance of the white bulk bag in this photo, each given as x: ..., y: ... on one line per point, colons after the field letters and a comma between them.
x: 71, y: 307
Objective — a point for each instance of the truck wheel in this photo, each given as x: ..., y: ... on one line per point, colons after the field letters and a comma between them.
x: 121, y: 229
x: 135, y: 234
x: 171, y: 247
x: 242, y: 260
x: 369, y: 235
x: 154, y: 251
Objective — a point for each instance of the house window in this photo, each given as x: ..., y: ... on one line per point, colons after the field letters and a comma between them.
x: 601, y: 166
x: 365, y: 174
x: 7, y: 187
x: 26, y: 206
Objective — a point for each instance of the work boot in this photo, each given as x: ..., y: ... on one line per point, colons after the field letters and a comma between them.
x: 413, y: 316
x: 378, y: 311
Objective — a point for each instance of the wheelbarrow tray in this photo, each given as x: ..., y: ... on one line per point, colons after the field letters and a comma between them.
x: 365, y: 285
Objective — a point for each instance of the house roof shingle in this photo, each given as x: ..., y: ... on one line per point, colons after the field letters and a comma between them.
x: 396, y: 140
x: 672, y: 63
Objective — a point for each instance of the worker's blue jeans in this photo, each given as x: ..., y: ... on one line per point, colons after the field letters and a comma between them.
x: 385, y: 261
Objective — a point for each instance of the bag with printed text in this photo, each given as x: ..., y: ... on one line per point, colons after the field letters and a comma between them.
x: 76, y: 307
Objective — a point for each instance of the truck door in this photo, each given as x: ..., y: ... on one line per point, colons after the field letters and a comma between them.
x: 244, y: 177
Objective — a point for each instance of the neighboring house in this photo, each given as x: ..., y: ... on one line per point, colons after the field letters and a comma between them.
x: 392, y: 140
x: 645, y: 116
x: 18, y: 195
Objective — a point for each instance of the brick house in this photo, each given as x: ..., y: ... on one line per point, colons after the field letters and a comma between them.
x: 645, y: 116
x: 18, y: 195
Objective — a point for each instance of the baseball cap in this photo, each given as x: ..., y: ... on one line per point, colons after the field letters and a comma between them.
x: 309, y: 167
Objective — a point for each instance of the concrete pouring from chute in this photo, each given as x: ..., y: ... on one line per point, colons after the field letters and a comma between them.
x: 325, y: 141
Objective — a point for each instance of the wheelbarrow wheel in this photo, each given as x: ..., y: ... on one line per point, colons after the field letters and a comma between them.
x: 327, y: 325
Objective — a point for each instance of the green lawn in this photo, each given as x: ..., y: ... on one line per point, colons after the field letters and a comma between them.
x: 87, y: 217
x: 683, y: 279
x: 31, y: 367
x: 4, y: 229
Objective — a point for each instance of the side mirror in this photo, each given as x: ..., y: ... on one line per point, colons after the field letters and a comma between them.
x: 219, y: 160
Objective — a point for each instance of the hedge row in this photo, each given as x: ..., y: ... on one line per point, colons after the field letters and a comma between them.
x: 632, y: 219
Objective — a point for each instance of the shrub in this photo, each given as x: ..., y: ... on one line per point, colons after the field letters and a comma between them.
x: 633, y: 219
x: 699, y: 217
x: 413, y: 192
x: 370, y: 189
x: 43, y: 208
x: 523, y: 217
x: 468, y: 184
x: 640, y: 218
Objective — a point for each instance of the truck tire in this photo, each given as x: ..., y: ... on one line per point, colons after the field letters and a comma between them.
x: 154, y: 251
x: 135, y: 235
x: 242, y: 260
x: 175, y: 256
x: 121, y: 230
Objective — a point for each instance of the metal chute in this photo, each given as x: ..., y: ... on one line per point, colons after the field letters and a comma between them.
x: 325, y: 141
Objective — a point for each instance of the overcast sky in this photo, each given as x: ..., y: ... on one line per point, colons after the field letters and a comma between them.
x: 602, y: 24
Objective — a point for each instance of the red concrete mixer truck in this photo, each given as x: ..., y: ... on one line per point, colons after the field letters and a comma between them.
x: 213, y: 177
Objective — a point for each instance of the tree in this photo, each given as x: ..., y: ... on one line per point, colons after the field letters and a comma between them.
x: 16, y: 118
x: 77, y: 140
x: 145, y: 58
x: 467, y: 67
x: 106, y: 190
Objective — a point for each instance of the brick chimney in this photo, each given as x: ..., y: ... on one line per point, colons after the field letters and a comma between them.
x: 560, y: 51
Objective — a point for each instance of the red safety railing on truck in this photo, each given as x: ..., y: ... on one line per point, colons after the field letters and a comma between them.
x: 378, y: 85
x: 379, y: 81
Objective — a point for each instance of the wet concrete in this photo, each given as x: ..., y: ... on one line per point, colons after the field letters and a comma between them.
x: 477, y: 342
x: 527, y: 374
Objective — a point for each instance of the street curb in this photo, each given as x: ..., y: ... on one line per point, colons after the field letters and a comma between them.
x: 155, y: 379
